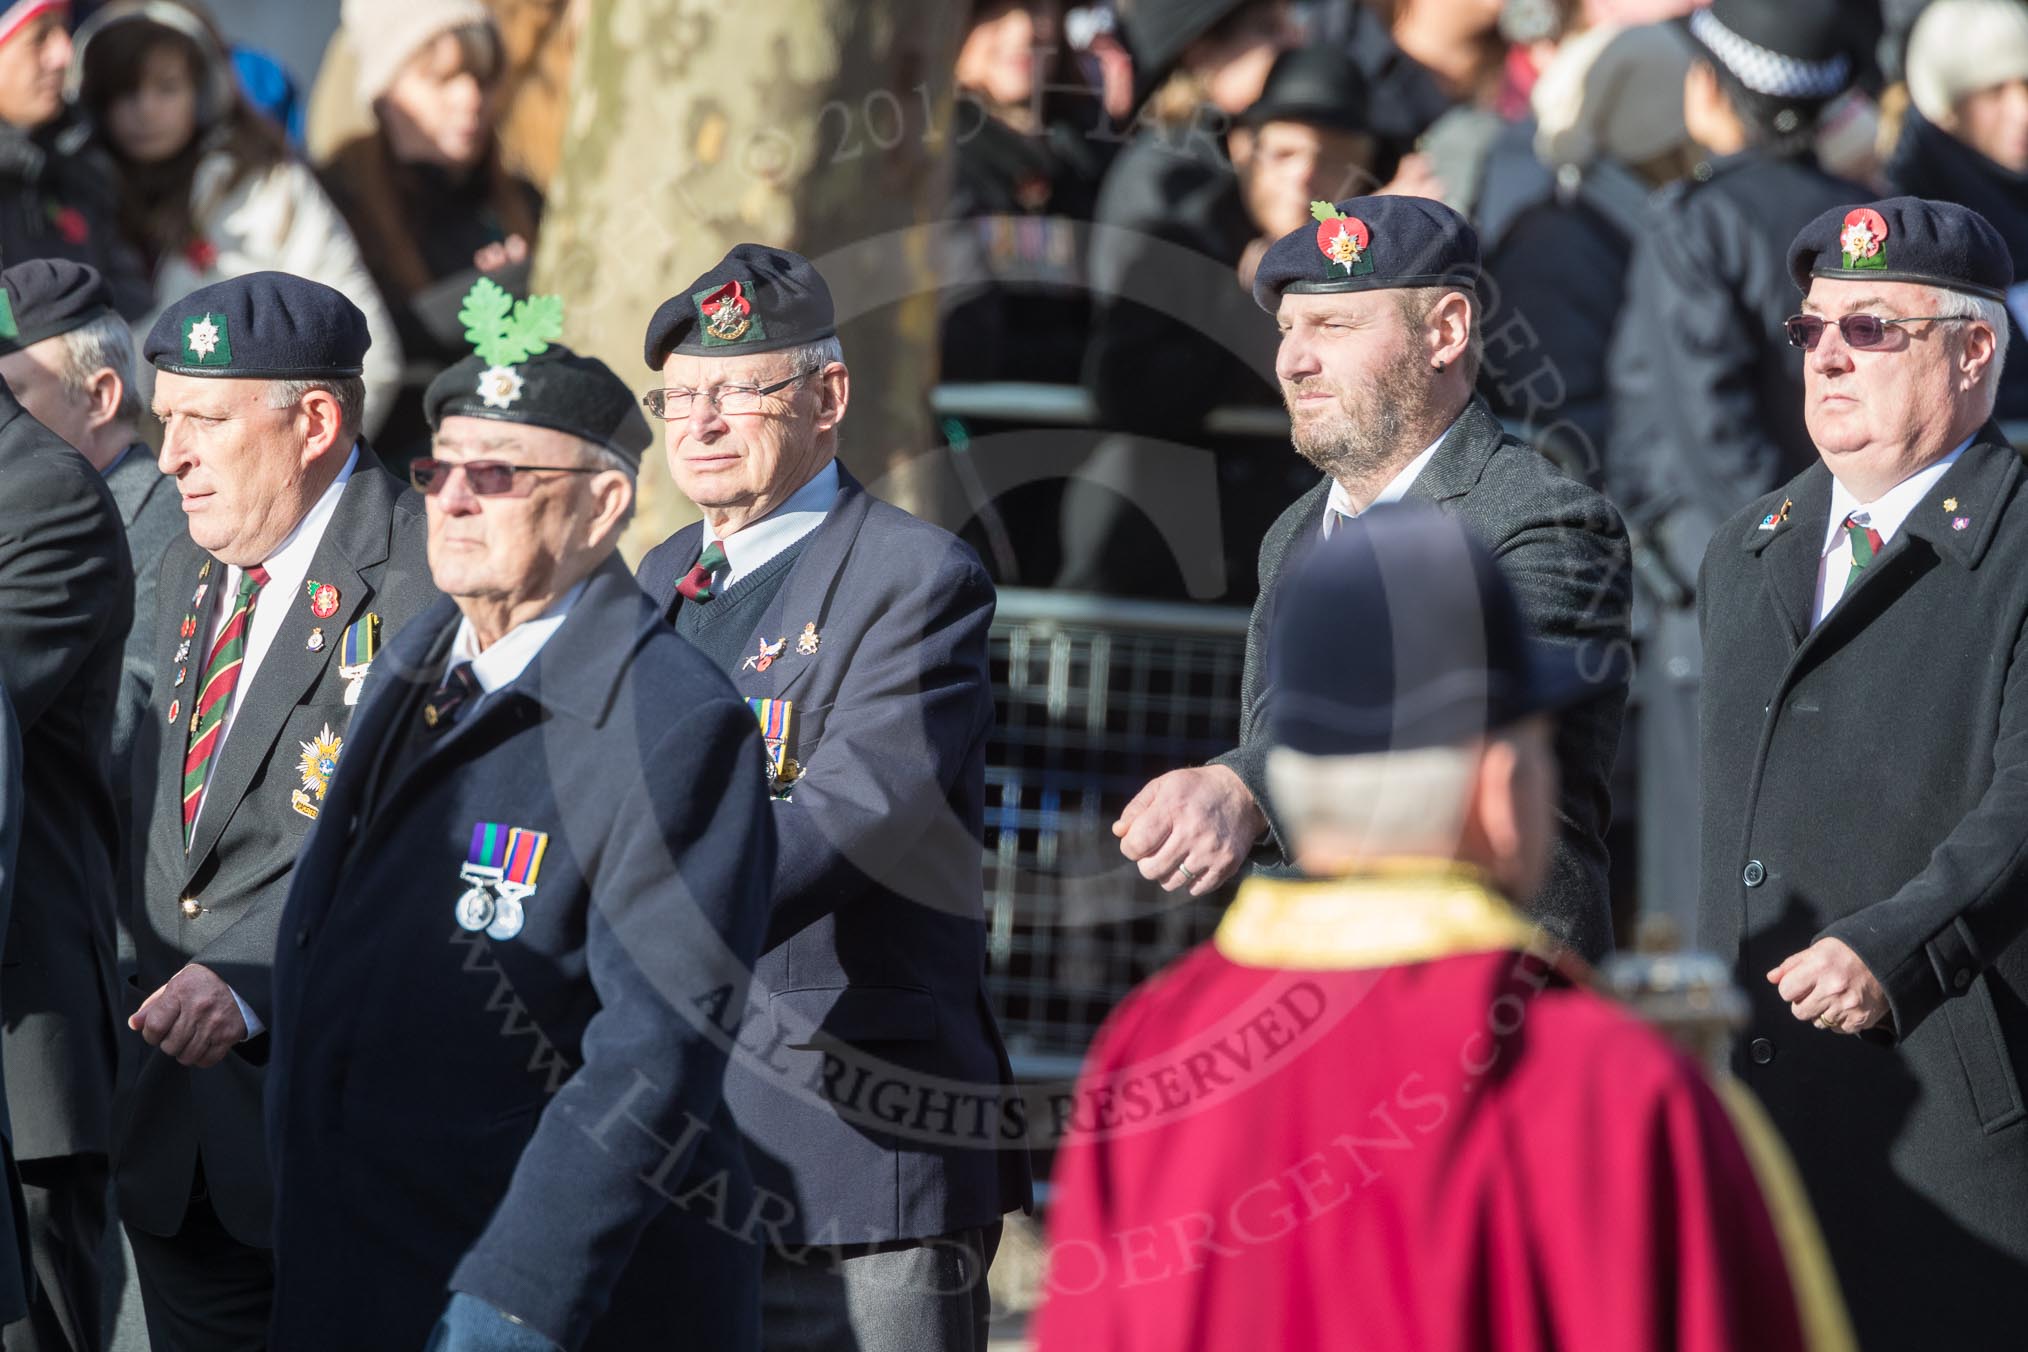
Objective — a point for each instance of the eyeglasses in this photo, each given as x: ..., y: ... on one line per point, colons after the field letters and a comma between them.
x: 1860, y: 331
x: 487, y: 478
x: 674, y: 405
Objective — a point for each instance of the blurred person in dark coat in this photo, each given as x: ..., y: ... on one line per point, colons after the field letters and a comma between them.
x: 1706, y: 393
x: 1029, y: 150
x: 1964, y: 138
x: 1865, y: 790
x: 17, y: 1273
x: 1377, y: 310
x: 66, y: 602
x: 58, y: 199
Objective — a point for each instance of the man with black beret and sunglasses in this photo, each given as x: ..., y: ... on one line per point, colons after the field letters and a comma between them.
x: 302, y: 556
x: 875, y: 1094
x: 1865, y: 776
x: 514, y: 947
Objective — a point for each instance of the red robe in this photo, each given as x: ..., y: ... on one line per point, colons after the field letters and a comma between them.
x: 1366, y: 1118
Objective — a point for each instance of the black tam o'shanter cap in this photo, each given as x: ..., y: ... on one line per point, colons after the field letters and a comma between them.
x: 517, y: 373
x: 1905, y: 239
x: 1400, y: 632
x: 757, y: 299
x: 261, y: 326
x: 1366, y: 243
x: 46, y: 297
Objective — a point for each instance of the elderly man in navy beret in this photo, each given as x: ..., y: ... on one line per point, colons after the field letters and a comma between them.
x: 1378, y: 310
x: 303, y: 556
x: 554, y: 812
x: 874, y: 1090
x: 1865, y: 760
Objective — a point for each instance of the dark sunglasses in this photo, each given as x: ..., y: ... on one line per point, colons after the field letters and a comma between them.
x: 484, y: 477
x: 1860, y: 331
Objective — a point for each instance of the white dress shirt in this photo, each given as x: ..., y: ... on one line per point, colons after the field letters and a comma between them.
x: 1339, y: 504
x: 753, y: 545
x: 1885, y: 515
x: 512, y: 651
x: 288, y: 568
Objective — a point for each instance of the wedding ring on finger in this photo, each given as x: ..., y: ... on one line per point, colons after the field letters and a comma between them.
x: 1184, y: 869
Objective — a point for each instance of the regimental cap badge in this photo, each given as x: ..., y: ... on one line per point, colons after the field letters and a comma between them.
x: 728, y: 317
x: 207, y: 341
x: 1862, y: 242
x: 505, y: 332
x: 1342, y: 239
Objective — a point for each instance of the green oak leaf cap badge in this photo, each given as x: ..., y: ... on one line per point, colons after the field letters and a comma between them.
x: 503, y: 332
x: 206, y: 341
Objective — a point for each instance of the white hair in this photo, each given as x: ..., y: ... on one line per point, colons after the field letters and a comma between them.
x: 816, y: 356
x: 1386, y: 803
x: 349, y: 391
x: 1964, y: 305
x: 598, y: 455
x: 104, y: 344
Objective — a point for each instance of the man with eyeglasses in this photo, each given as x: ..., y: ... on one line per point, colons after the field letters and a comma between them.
x: 515, y: 945
x: 1865, y: 794
x: 302, y: 556
x: 873, y: 1089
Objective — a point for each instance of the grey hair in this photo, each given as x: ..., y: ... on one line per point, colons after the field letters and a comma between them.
x: 104, y: 344
x: 816, y: 356
x: 1964, y: 305
x: 1410, y: 802
x: 599, y: 456
x: 349, y: 391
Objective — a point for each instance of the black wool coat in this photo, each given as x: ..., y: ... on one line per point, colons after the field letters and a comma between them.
x: 1868, y: 779
x: 1562, y: 548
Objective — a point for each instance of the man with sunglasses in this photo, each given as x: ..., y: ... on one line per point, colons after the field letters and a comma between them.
x: 1865, y: 787
x: 538, y: 890
x: 876, y: 1094
x: 302, y: 554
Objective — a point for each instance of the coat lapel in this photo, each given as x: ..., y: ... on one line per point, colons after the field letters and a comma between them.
x: 175, y: 743
x: 1791, y: 551
x: 355, y: 539
x: 805, y: 596
x: 1460, y: 462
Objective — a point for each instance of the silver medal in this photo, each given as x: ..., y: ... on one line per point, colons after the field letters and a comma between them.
x: 475, y: 909
x: 507, y: 919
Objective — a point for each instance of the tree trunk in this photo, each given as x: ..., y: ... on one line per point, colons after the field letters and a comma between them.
x: 816, y: 125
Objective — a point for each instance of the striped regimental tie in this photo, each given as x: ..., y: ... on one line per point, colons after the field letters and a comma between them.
x: 1865, y: 542
x: 214, y: 696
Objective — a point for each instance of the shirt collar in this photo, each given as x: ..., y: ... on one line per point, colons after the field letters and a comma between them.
x: 514, y: 650
x: 1397, y: 488
x: 803, y: 511
x: 1886, y: 513
x: 289, y: 565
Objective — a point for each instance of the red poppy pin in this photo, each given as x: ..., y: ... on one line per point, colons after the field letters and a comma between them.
x: 1342, y: 239
x: 728, y: 315
x: 1863, y: 240
x: 201, y: 254
x: 71, y: 224
x: 323, y: 600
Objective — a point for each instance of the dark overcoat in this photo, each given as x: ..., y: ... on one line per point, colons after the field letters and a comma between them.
x: 66, y: 600
x: 876, y: 1098
x: 1868, y: 779
x: 512, y: 1116
x: 1562, y: 548
x: 236, y: 871
x: 17, y: 1273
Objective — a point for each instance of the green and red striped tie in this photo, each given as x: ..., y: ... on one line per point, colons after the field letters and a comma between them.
x: 214, y: 696
x: 1865, y: 544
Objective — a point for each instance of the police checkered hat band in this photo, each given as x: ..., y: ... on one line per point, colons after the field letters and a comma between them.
x: 1769, y: 72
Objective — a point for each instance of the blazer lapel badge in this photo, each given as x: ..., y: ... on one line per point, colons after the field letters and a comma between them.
x: 316, y: 765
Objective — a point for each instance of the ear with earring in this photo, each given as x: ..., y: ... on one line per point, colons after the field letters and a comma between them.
x: 1437, y: 365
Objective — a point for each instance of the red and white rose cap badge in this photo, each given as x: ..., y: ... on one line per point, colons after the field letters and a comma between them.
x: 728, y: 315
x: 1342, y: 239
x: 1862, y: 243
x: 505, y: 332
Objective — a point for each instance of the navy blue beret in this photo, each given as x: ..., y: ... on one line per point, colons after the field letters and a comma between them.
x: 1905, y: 239
x: 261, y: 326
x: 756, y: 300
x: 556, y: 388
x: 1400, y: 632
x: 45, y: 297
x: 1367, y: 243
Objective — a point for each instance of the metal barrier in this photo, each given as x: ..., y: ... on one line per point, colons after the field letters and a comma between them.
x: 1095, y: 697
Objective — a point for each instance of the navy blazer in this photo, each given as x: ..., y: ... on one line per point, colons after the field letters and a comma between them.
x: 512, y: 1116
x: 875, y: 1098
